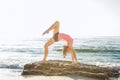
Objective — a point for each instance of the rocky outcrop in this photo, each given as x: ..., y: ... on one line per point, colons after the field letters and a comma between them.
x: 58, y: 67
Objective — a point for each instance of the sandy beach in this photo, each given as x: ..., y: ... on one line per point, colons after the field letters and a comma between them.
x: 69, y: 77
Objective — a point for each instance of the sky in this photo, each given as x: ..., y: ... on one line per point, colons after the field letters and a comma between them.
x: 24, y: 19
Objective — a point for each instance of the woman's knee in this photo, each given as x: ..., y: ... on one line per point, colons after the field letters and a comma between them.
x: 46, y: 45
x: 57, y: 22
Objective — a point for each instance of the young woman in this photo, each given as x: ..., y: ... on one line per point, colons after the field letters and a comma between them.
x: 57, y: 37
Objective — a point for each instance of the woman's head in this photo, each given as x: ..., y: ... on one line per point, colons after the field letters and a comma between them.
x: 64, y: 50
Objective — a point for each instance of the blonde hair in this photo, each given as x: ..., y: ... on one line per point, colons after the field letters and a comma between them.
x: 64, y: 50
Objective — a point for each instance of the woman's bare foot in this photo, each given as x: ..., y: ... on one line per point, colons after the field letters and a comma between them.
x: 73, y: 63
x: 39, y: 62
x: 43, y: 61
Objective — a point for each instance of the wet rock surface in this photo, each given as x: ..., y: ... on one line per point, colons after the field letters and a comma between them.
x: 60, y: 68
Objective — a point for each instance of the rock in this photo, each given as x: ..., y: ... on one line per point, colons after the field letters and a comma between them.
x: 58, y: 68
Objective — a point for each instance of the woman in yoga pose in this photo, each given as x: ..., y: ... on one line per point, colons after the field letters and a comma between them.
x: 57, y: 37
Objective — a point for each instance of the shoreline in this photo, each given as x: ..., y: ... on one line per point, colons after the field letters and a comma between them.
x: 33, y: 77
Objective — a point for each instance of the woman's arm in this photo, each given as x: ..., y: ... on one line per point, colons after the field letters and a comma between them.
x: 73, y: 55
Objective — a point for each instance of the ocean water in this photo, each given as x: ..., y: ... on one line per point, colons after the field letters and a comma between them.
x: 100, y: 51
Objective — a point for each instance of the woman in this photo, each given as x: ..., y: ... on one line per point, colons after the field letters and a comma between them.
x: 57, y: 37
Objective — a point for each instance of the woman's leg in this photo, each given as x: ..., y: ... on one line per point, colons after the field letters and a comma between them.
x: 50, y: 42
x: 54, y: 26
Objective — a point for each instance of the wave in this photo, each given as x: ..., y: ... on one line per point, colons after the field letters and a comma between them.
x: 37, y: 50
x: 12, y: 66
x: 95, y: 50
x: 21, y: 50
x: 91, y: 50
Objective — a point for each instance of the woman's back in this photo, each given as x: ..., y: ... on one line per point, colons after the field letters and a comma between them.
x: 65, y: 37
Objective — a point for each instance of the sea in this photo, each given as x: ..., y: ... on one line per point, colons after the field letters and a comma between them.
x: 100, y: 51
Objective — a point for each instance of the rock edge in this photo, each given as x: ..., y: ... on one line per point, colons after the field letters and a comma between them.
x: 59, y: 68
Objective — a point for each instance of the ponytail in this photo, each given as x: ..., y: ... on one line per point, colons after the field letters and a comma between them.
x: 64, y: 51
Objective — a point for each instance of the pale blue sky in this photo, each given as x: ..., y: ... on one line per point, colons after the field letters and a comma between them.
x: 80, y: 18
